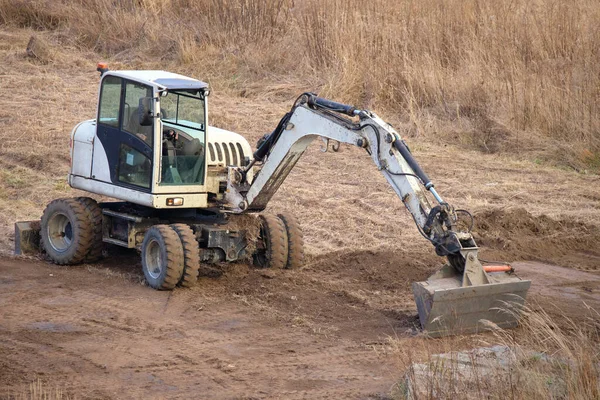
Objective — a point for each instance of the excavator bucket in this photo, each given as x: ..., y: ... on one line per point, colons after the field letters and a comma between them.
x: 452, y: 303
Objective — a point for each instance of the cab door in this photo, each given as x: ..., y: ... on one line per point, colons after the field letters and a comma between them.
x: 124, y: 155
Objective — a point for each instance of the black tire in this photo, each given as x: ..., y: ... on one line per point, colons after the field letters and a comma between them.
x: 162, y: 257
x: 272, y: 246
x: 94, y: 213
x: 295, y: 241
x: 66, y: 231
x: 191, y: 255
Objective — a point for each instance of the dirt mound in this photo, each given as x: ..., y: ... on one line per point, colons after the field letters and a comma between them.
x: 356, y: 294
x: 515, y: 234
x: 378, y: 269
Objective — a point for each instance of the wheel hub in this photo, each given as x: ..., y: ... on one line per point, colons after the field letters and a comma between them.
x: 60, y: 232
x: 153, y: 257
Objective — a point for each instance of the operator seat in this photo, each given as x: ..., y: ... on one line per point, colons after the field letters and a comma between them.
x: 133, y: 126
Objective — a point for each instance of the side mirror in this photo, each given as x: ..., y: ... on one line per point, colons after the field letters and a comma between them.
x: 145, y: 113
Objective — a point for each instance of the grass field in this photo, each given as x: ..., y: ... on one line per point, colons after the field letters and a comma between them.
x: 505, y: 76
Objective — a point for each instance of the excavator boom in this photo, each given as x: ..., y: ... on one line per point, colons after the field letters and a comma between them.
x: 460, y: 298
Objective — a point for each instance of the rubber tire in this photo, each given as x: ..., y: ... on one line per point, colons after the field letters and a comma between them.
x: 191, y: 255
x: 295, y: 241
x: 82, y: 231
x: 95, y: 216
x: 274, y: 236
x: 171, y: 253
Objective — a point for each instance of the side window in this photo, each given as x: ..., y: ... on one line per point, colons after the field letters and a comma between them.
x: 168, y: 107
x: 134, y: 167
x: 110, y: 100
x: 133, y: 93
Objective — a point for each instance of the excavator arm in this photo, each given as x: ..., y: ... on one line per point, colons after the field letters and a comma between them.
x: 313, y: 117
x: 462, y: 297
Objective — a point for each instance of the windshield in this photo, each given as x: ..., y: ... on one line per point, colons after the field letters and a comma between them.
x: 183, y: 156
x: 183, y: 108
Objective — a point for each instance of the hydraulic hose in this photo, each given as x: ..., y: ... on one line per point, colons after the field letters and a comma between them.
x: 315, y: 101
x: 413, y: 164
x: 264, y: 148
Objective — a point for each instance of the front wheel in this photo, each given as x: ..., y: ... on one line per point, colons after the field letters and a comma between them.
x: 162, y: 257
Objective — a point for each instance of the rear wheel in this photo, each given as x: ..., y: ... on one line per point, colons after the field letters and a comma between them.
x: 295, y: 241
x: 94, y: 214
x: 191, y: 254
x: 162, y: 257
x: 66, y: 231
x: 272, y: 246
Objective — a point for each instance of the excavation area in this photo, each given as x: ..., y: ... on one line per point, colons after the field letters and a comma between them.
x: 333, y: 329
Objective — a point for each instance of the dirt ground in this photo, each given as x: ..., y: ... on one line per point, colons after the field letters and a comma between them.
x: 336, y: 328
x: 96, y: 332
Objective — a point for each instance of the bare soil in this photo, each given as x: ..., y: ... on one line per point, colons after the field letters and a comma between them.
x: 249, y: 334
x: 523, y: 236
x: 324, y: 331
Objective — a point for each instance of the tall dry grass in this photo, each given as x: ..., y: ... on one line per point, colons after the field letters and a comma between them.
x: 548, y: 357
x: 497, y: 75
x: 39, y: 390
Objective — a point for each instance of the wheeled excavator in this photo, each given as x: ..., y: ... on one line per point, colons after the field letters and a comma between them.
x: 181, y: 185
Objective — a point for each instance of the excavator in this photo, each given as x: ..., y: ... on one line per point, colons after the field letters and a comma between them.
x: 190, y: 194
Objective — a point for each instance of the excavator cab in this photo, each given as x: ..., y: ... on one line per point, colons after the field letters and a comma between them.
x: 183, y: 155
x: 147, y: 142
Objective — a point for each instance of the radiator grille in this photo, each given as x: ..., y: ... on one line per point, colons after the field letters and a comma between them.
x: 226, y: 153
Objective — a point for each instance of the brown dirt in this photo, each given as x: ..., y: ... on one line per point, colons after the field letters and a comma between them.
x: 516, y: 234
x: 250, y: 334
x: 333, y: 329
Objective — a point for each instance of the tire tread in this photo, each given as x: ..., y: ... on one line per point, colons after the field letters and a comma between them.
x: 277, y: 254
x: 175, y: 260
x: 295, y: 241
x: 191, y: 255
x: 94, y: 213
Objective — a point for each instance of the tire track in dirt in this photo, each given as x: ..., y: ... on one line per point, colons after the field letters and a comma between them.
x: 306, y: 333
x: 102, y: 336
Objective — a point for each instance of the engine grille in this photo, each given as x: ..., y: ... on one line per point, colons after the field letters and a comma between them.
x: 226, y: 153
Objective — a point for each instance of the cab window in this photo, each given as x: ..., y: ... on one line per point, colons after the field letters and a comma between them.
x: 110, y: 100
x: 133, y: 93
x: 183, y: 157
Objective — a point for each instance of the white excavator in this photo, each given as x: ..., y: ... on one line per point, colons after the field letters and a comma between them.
x: 183, y: 187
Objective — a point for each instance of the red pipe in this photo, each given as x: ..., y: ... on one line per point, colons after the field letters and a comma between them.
x: 497, y: 268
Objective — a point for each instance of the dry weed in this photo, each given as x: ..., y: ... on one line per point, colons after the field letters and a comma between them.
x: 542, y: 359
x: 520, y: 73
x: 39, y: 390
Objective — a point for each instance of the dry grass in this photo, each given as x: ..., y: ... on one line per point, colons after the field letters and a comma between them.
x: 544, y: 360
x: 38, y: 390
x: 497, y: 76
